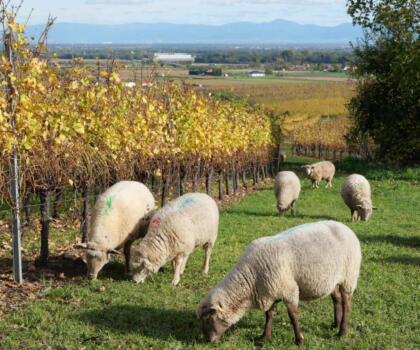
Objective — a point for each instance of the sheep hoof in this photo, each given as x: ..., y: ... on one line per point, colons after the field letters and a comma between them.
x: 342, y: 332
x: 174, y: 283
x: 263, y: 338
x: 334, y: 325
x: 299, y: 342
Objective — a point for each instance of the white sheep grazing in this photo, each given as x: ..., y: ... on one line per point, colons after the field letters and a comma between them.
x: 320, y: 171
x: 182, y: 225
x: 356, y: 194
x: 306, y: 262
x: 120, y: 215
x: 286, y: 190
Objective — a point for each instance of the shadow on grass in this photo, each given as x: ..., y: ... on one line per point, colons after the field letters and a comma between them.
x: 395, y: 240
x: 114, y: 270
x: 322, y: 217
x: 56, y: 268
x: 275, y: 214
x: 250, y: 212
x: 151, y: 322
x: 404, y: 259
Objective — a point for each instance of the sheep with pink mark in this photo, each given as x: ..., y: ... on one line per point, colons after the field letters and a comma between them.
x: 184, y: 224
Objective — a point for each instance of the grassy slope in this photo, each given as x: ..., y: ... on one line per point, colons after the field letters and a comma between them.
x: 113, y: 311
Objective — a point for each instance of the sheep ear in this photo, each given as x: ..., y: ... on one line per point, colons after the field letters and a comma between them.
x: 81, y: 245
x: 358, y: 206
x: 374, y: 208
x: 201, y: 310
x: 205, y: 310
x: 113, y: 251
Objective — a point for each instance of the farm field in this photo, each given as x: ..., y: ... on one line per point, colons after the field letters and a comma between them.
x: 311, y: 113
x: 115, y: 313
x: 236, y: 77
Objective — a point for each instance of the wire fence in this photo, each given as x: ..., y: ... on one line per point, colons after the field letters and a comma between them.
x: 92, y: 196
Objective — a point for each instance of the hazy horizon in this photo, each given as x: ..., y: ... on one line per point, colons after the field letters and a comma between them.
x: 209, y: 12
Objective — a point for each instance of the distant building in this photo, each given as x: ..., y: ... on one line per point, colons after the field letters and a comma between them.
x: 172, y: 57
x: 256, y: 73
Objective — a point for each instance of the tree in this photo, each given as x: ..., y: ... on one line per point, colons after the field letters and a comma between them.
x: 268, y: 70
x: 387, y: 63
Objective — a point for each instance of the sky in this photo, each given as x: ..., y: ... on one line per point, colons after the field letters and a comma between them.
x: 215, y: 12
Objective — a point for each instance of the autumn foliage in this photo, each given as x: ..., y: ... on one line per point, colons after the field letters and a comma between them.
x: 78, y: 127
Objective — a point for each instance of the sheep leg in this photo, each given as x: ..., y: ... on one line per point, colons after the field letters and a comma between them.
x: 208, y: 248
x: 268, y: 322
x: 127, y: 248
x: 338, y: 307
x: 177, y: 269
x: 346, y: 302
x: 184, y: 263
x: 354, y: 214
x: 292, y: 208
x: 293, y: 314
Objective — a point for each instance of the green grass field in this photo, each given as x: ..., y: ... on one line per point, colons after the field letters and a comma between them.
x: 115, y: 313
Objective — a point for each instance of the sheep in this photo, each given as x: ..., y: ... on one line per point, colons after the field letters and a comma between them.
x: 320, y: 171
x: 355, y: 157
x: 188, y: 222
x: 120, y: 215
x: 286, y: 190
x: 283, y: 157
x: 306, y: 262
x: 356, y: 194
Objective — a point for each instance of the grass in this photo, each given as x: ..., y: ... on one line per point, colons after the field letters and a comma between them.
x: 115, y: 313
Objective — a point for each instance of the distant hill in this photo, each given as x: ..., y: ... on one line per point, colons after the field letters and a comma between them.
x: 275, y: 32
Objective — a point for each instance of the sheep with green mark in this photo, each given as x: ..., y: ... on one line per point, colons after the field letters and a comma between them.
x: 184, y: 224
x: 306, y: 262
x: 357, y: 196
x: 120, y: 215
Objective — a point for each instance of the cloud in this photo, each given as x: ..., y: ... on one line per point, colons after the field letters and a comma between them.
x: 273, y: 2
x: 115, y: 2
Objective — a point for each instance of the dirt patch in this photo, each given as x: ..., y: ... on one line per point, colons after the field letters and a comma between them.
x: 61, y: 268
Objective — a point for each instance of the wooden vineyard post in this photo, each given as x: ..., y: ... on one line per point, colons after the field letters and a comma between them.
x: 45, y: 198
x: 220, y: 183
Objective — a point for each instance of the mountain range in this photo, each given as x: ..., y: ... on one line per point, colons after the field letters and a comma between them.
x: 275, y: 32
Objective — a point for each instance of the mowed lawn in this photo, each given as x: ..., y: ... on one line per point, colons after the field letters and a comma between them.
x: 115, y: 313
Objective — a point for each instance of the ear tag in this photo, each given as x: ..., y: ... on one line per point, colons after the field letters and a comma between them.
x: 148, y: 262
x: 219, y: 308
